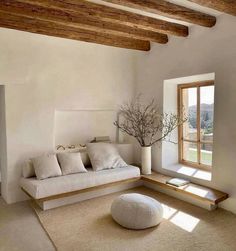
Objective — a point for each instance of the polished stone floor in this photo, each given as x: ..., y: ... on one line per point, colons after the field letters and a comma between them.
x: 20, y: 229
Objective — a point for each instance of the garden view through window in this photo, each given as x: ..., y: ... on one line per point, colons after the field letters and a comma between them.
x: 196, y: 101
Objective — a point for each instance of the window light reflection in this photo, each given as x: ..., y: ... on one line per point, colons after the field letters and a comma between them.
x: 196, y: 190
x: 186, y: 170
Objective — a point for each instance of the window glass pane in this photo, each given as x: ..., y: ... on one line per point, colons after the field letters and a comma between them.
x: 206, y: 154
x: 190, y: 151
x: 207, y: 112
x: 189, y: 103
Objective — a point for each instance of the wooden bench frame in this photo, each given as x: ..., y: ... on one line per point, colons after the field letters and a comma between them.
x: 214, y: 197
x: 154, y: 178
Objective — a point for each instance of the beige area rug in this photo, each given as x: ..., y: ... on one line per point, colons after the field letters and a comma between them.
x: 88, y: 226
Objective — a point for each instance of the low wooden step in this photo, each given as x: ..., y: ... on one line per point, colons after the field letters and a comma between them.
x: 199, y: 192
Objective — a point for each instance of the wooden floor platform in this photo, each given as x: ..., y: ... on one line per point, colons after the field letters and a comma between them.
x: 199, y: 192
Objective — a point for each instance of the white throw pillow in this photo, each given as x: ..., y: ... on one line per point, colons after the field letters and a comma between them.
x: 104, y: 156
x: 28, y: 169
x: 71, y: 163
x: 85, y: 158
x: 83, y: 154
x: 46, y: 166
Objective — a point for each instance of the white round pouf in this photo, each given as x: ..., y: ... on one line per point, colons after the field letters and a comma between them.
x: 136, y: 211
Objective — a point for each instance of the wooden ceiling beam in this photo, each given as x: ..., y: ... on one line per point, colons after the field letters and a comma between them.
x: 227, y: 6
x: 77, y: 21
x: 170, y: 10
x: 57, y: 30
x: 113, y: 15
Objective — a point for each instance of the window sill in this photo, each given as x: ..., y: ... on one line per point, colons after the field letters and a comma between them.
x: 190, y: 172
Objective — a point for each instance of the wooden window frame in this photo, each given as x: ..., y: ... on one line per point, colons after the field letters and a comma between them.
x: 199, y: 142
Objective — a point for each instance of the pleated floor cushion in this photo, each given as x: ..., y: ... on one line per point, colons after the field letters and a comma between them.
x: 136, y: 211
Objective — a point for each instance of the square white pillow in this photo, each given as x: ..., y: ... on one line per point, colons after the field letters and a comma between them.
x: 28, y: 169
x: 104, y: 156
x: 71, y: 163
x: 83, y: 154
x: 46, y: 166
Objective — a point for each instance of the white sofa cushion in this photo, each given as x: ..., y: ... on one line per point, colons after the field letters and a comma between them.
x: 104, y: 156
x: 68, y: 183
x: 71, y: 163
x: 46, y: 166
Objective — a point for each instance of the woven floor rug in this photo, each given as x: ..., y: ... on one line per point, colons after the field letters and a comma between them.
x: 88, y: 226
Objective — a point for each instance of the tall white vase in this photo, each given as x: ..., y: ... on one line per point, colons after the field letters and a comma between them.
x: 146, y: 160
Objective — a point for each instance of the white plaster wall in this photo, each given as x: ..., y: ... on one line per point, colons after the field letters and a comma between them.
x: 204, y: 51
x: 83, y: 126
x: 43, y: 74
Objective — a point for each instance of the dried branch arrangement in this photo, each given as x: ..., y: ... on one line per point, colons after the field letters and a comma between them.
x: 145, y: 123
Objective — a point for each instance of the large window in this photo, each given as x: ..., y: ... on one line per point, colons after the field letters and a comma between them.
x: 196, y: 101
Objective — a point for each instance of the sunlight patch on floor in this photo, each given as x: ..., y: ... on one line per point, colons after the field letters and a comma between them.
x: 168, y: 211
x: 185, y: 221
x: 180, y: 219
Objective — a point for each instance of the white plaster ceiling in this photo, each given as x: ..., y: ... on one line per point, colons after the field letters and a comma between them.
x: 184, y: 3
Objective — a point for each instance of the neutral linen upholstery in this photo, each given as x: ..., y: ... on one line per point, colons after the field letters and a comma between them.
x: 82, y: 151
x: 136, y: 211
x: 104, y: 156
x: 28, y: 169
x: 46, y: 166
x: 68, y: 183
x: 85, y: 158
x: 71, y: 163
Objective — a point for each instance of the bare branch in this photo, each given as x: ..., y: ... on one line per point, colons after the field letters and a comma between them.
x: 145, y: 122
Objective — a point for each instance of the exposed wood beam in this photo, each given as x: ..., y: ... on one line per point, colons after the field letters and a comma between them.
x: 170, y: 10
x: 57, y: 30
x: 227, y: 6
x: 77, y: 21
x: 113, y: 15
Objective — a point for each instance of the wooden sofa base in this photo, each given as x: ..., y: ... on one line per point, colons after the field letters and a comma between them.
x: 62, y: 201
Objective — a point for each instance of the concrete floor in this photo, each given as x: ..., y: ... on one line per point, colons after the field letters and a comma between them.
x: 20, y: 229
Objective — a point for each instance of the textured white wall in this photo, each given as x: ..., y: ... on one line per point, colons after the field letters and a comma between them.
x: 204, y: 51
x: 43, y: 74
x: 81, y: 126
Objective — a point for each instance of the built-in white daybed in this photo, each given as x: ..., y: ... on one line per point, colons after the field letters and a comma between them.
x: 52, y: 187
x: 66, y: 189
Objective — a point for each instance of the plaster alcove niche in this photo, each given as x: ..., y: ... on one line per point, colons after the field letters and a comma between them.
x: 73, y: 127
x: 78, y: 127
